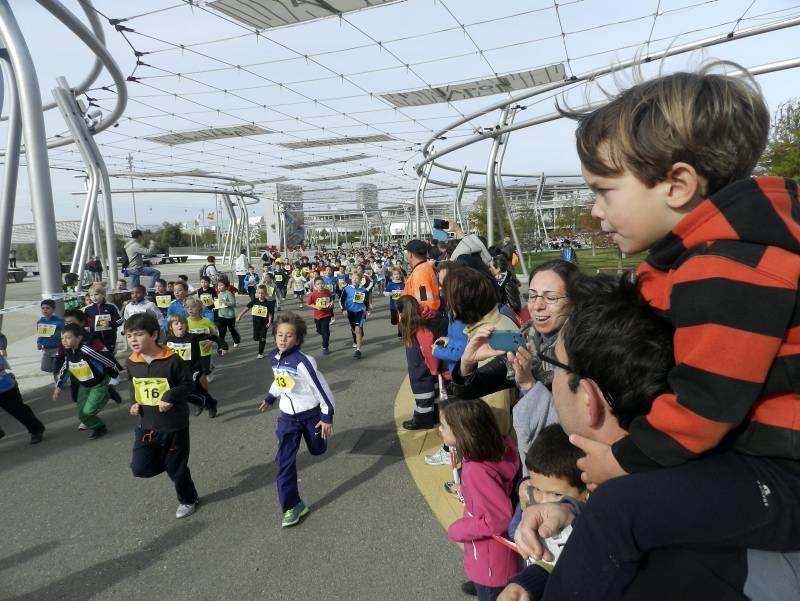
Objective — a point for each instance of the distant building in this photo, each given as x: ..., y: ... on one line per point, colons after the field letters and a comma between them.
x: 367, y: 197
x: 291, y: 198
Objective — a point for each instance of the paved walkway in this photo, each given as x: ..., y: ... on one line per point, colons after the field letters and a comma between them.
x: 77, y: 525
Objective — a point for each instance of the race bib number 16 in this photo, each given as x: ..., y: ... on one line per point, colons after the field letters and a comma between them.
x: 149, y: 391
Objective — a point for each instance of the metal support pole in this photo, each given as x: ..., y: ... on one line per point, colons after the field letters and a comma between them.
x: 492, y: 213
x: 9, y: 91
x: 91, y: 193
x: 38, y: 166
x: 537, y: 204
x: 462, y: 182
x: 506, y: 202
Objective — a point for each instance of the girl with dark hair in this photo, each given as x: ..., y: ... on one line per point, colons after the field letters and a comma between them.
x: 423, y: 367
x: 489, y: 469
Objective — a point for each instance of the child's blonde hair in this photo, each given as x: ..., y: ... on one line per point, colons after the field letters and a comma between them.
x: 192, y: 302
x: 176, y: 317
x: 97, y: 288
x: 716, y: 123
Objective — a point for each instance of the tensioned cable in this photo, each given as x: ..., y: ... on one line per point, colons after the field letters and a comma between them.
x: 653, y: 26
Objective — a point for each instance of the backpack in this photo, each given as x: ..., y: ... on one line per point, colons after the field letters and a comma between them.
x: 203, y: 270
x: 125, y: 260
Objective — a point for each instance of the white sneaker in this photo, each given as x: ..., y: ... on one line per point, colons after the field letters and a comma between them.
x: 440, y: 457
x: 235, y: 345
x: 185, y: 510
x: 260, y: 357
x: 81, y: 426
x: 210, y: 377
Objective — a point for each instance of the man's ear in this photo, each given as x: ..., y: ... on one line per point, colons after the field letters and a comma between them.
x: 684, y: 186
x: 593, y: 403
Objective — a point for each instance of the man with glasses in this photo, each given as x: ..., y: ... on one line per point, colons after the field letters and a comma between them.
x: 610, y: 361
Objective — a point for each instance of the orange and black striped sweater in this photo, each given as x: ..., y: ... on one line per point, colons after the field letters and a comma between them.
x: 726, y: 277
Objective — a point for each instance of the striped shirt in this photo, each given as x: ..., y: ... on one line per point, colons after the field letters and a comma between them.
x: 726, y: 277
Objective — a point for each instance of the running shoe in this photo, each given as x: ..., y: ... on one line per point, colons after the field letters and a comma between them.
x: 81, y: 426
x: 185, y: 510
x: 440, y: 457
x: 97, y: 433
x: 235, y: 345
x: 293, y: 516
x: 260, y: 357
x: 357, y: 354
x: 326, y: 351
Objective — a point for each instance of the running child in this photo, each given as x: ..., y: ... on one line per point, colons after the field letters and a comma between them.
x: 251, y: 280
x: 394, y: 290
x: 298, y: 285
x: 322, y: 303
x: 48, y: 334
x: 102, y: 318
x: 225, y: 303
x: 161, y: 297
x: 262, y: 315
x: 180, y: 292
x: 352, y: 302
x: 271, y: 295
x: 139, y: 304
x: 91, y: 370
x: 307, y: 412
x: 11, y: 401
x: 160, y: 385
x: 195, y: 349
x: 206, y: 293
x: 281, y: 279
x: 489, y: 467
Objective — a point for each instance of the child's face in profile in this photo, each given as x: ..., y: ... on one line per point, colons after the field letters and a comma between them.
x: 70, y: 341
x: 633, y: 215
x: 47, y: 311
x: 98, y: 298
x: 551, y: 489
x: 445, y: 431
x: 160, y: 288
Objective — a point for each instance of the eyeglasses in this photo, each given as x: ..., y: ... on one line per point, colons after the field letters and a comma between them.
x: 550, y: 298
x: 546, y: 358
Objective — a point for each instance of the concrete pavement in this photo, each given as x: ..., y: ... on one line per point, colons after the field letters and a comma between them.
x: 77, y: 525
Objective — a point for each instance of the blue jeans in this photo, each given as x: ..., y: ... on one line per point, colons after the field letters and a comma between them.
x: 152, y: 272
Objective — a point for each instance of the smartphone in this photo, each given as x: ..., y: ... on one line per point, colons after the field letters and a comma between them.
x: 506, y: 340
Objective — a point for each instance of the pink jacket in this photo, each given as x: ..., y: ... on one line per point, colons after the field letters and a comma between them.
x: 486, y: 488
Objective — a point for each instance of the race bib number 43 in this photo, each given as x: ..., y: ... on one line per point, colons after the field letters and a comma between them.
x: 322, y: 303
x: 149, y: 391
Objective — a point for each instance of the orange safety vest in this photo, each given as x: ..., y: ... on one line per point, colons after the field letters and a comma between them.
x: 423, y: 284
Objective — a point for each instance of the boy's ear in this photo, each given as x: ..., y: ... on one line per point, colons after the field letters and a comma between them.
x: 684, y: 186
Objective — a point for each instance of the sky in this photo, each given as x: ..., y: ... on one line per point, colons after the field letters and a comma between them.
x: 324, y: 79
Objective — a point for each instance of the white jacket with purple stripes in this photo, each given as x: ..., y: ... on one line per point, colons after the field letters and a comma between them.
x: 299, y: 386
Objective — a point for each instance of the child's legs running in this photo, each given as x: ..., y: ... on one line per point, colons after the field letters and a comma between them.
x: 359, y: 333
x: 11, y: 401
x: 176, y: 463
x: 728, y: 500
x: 289, y: 430
x: 234, y: 332
x: 311, y: 434
x: 222, y: 326
x: 90, y: 402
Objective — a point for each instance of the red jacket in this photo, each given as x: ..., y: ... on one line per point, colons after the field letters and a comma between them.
x: 486, y: 488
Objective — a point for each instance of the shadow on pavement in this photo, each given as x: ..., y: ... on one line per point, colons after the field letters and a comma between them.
x: 88, y: 582
x: 15, y: 559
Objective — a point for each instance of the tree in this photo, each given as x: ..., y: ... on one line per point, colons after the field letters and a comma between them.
x: 477, y: 216
x: 782, y: 155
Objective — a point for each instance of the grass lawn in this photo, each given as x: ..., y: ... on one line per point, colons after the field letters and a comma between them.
x: 605, y: 259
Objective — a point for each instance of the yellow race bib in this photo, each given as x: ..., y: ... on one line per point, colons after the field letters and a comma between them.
x: 278, y: 277
x: 271, y: 291
x: 45, y: 329
x: 322, y: 303
x: 341, y: 283
x: 358, y: 297
x: 219, y: 303
x: 163, y: 301
x: 283, y: 380
x: 396, y: 294
x: 206, y: 348
x: 102, y: 323
x: 328, y: 287
x: 149, y: 391
x: 81, y: 371
x: 182, y: 349
x: 259, y: 311
x: 207, y: 300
